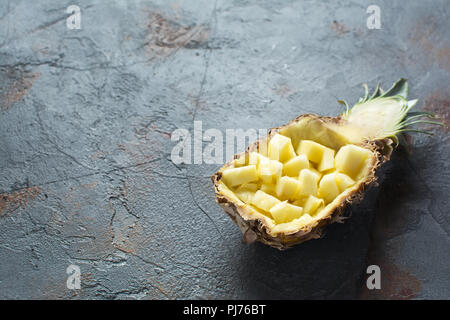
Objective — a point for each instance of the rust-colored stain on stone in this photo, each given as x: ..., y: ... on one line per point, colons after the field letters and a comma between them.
x: 163, y: 290
x: 17, y: 85
x: 426, y: 36
x: 439, y: 103
x: 128, y: 238
x: 443, y: 56
x: 100, y: 154
x: 166, y: 36
x: 282, y: 90
x: 10, y: 202
x: 339, y: 28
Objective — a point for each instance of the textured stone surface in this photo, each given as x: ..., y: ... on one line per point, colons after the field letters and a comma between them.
x: 86, y: 119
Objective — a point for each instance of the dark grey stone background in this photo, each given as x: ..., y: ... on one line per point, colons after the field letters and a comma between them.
x: 87, y: 115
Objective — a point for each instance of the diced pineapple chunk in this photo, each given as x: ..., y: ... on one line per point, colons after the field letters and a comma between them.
x: 327, y: 161
x: 270, y: 171
x: 264, y: 201
x: 269, y: 188
x: 267, y: 169
x: 245, y: 195
x: 285, y: 212
x: 306, y: 219
x: 246, y: 191
x: 308, y: 183
x: 292, y: 167
x: 287, y: 188
x: 313, y: 150
x: 343, y: 181
x: 350, y: 159
x: 247, y: 187
x: 318, y: 173
x: 235, y: 176
x: 299, y: 202
x: 255, y: 158
x: 280, y: 148
x: 312, y: 204
x: 328, y: 188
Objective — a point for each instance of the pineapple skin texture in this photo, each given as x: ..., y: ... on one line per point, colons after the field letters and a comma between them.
x: 256, y: 229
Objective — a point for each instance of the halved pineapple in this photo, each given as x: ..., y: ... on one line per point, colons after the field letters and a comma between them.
x: 313, y: 168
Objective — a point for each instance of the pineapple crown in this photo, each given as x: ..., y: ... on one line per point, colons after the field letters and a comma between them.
x: 386, y: 114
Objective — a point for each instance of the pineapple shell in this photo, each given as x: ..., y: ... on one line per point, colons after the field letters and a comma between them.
x: 331, y: 132
x: 256, y: 229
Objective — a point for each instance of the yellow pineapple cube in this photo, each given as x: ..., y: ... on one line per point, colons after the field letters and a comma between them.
x: 299, y: 202
x: 280, y: 148
x: 306, y: 219
x: 312, y: 150
x: 255, y: 158
x: 350, y: 159
x: 292, y: 167
x: 285, y: 212
x: 247, y: 187
x: 245, y: 195
x: 343, y: 181
x: 327, y: 161
x: 308, y: 183
x: 236, y: 176
x: 328, y: 188
x: 264, y: 201
x: 317, y: 172
x: 287, y: 188
x: 269, y: 171
x: 246, y: 191
x: 312, y: 204
x: 269, y: 188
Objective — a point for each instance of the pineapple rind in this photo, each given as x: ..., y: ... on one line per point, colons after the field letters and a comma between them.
x: 260, y: 225
x: 365, y: 125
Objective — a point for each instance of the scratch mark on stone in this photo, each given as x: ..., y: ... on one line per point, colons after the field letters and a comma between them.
x: 51, y: 23
x: 207, y: 57
x: 115, y: 169
x: 203, y: 210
